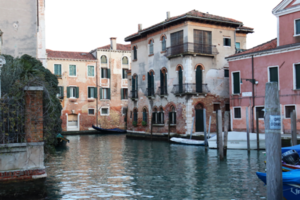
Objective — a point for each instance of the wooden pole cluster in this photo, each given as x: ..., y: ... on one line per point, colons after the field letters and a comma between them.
x: 226, y: 125
x: 220, y: 137
x: 273, y: 142
x: 293, y: 128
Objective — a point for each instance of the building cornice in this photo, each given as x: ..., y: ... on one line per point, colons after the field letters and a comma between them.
x: 281, y: 11
x: 114, y: 51
x: 70, y: 59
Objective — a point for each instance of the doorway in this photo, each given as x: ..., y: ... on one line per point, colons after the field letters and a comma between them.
x: 199, y: 121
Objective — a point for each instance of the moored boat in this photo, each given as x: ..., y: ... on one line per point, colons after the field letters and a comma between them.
x: 105, y: 131
x: 187, y: 141
x: 61, y: 140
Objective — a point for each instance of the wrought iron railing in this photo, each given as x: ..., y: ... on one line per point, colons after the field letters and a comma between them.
x: 133, y: 94
x: 240, y: 50
x: 192, y: 48
x: 162, y: 91
x: 190, y: 88
x: 150, y: 92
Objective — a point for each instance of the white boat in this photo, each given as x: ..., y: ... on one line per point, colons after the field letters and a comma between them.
x: 238, y: 140
x: 187, y: 141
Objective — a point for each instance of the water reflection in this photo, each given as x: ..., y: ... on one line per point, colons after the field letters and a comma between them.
x: 113, y: 167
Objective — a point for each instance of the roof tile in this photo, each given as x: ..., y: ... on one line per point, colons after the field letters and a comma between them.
x: 120, y: 47
x: 70, y: 55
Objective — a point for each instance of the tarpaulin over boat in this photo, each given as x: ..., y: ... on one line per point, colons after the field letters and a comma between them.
x: 291, y: 177
x: 296, y: 148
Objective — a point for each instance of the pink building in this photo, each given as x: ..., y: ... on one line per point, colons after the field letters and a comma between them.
x: 275, y: 61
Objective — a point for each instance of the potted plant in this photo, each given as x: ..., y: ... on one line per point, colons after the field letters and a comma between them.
x: 144, y: 123
x: 134, y: 123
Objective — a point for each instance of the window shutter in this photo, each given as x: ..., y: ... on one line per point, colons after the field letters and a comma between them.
x: 170, y: 117
x: 297, y: 75
x: 162, y: 118
x: 236, y: 83
x: 108, y: 73
x: 224, y: 41
x: 137, y: 83
x: 89, y: 92
x: 101, y: 93
x: 149, y: 81
x: 62, y: 91
x: 68, y: 92
x: 166, y: 83
x: 77, y: 92
x: 102, y: 73
x: 122, y: 93
x: 55, y: 69
x: 229, y: 42
x: 59, y: 70
x: 95, y: 92
x: 108, y: 93
x: 133, y: 84
x: 161, y: 80
x: 297, y: 27
x: 180, y: 81
x: 199, y: 80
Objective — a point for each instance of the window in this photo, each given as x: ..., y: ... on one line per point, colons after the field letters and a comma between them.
x: 124, y: 73
x: 125, y: 60
x: 91, y: 111
x: 288, y: 111
x: 180, y: 81
x: 135, y: 115
x: 216, y: 107
x: 237, y: 113
x: 273, y: 74
x: 226, y: 73
x: 104, y: 111
x: 237, y: 45
x: 163, y: 44
x: 104, y: 93
x: 72, y: 70
x: 92, y: 92
x: 145, y: 115
x: 202, y: 41
x: 227, y: 107
x: 124, y: 111
x: 260, y: 113
x: 297, y: 27
x: 91, y: 71
x: 134, y: 53
x: 103, y: 59
x: 57, y: 69
x: 163, y: 82
x: 160, y: 116
x: 236, y: 83
x: 124, y: 93
x: 227, y: 42
x: 60, y: 93
x: 154, y: 116
x: 134, y: 85
x: 105, y: 73
x: 297, y: 76
x: 72, y: 92
x: 150, y: 84
x: 151, y: 47
x: 172, y: 116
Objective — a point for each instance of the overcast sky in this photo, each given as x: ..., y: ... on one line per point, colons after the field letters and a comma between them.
x: 80, y: 26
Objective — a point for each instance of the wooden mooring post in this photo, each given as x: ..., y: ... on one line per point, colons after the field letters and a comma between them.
x: 209, y: 126
x: 293, y: 128
x: 248, y: 133
x: 226, y: 125
x: 273, y: 142
x: 220, y: 137
x: 151, y: 126
x: 257, y: 130
x: 217, y: 128
x: 204, y: 122
x: 169, y: 125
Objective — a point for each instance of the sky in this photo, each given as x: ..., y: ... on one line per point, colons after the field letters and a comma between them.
x: 83, y: 25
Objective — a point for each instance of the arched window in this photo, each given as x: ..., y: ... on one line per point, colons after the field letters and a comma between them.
x: 163, y: 82
x: 134, y: 53
x: 172, y: 115
x: 135, y: 115
x: 144, y: 116
x: 151, y: 47
x: 150, y: 84
x: 125, y: 60
x: 103, y: 59
x: 160, y: 116
x: 163, y: 44
x: 180, y: 81
x: 154, y: 116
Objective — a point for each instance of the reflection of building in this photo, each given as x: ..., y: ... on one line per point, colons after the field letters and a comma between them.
x: 178, y: 69
x: 92, y: 85
x: 274, y: 61
x: 23, y: 24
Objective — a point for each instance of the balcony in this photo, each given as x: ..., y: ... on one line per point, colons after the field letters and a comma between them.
x: 190, y: 88
x: 150, y: 92
x: 133, y: 95
x: 162, y: 91
x: 191, y: 49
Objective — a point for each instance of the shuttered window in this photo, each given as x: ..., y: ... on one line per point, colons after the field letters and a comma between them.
x: 297, y: 76
x: 202, y: 41
x: 92, y: 92
x: 297, y: 26
x: 91, y: 71
x: 273, y: 74
x: 288, y: 111
x: 151, y: 47
x: 105, y: 73
x: 180, y: 82
x: 199, y: 80
x: 104, y: 93
x: 124, y: 93
x: 259, y: 112
x: 57, y: 69
x: 72, y: 70
x: 227, y: 41
x: 163, y: 44
x: 60, y: 93
x: 134, y: 53
x: 236, y: 82
x: 177, y: 38
x: 237, y: 113
x: 72, y: 92
x: 163, y: 82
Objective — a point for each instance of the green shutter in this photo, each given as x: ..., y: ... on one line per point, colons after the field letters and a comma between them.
x: 102, y: 73
x: 59, y: 68
x: 55, y: 69
x: 62, y: 92
x: 229, y: 42
x: 108, y: 93
x: 180, y: 81
x: 68, y: 92
x: 236, y: 83
x: 166, y: 83
x: 198, y: 80
x: 101, y: 93
x: 274, y: 74
x: 224, y: 41
x: 174, y: 117
x: 108, y: 73
x: 133, y: 84
x: 297, y: 70
x: 122, y: 93
x: 89, y: 92
x: 77, y: 92
x: 149, y: 81
x: 95, y: 92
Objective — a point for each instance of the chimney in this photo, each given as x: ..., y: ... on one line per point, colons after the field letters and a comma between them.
x: 168, y: 15
x: 140, y: 27
x: 113, y: 43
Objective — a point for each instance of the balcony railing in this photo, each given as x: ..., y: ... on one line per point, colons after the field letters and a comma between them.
x: 190, y: 88
x: 133, y: 94
x: 192, y: 48
x: 162, y: 91
x: 240, y: 50
x: 150, y: 92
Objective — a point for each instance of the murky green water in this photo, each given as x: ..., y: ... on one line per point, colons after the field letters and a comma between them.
x: 113, y: 167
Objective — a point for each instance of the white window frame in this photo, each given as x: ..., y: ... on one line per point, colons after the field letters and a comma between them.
x: 285, y: 109
x: 72, y: 96
x: 106, y: 89
x: 69, y: 70
x: 255, y: 112
x: 277, y: 73
x: 88, y: 92
x: 232, y: 87
x: 89, y: 112
x: 108, y: 111
x: 294, y: 76
x: 295, y: 35
x: 230, y: 42
x: 234, y: 113
x: 60, y: 68
x: 88, y: 71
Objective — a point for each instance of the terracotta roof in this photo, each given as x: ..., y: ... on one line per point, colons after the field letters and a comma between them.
x: 121, y: 47
x: 245, y: 29
x: 70, y: 55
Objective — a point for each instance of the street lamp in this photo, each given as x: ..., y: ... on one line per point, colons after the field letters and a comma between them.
x: 2, y: 62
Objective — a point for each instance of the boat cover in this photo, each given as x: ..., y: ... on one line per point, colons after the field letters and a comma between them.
x: 296, y: 148
x: 291, y: 177
x: 115, y: 130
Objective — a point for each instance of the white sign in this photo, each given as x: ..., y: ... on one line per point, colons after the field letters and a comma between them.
x: 247, y: 94
x: 275, y: 122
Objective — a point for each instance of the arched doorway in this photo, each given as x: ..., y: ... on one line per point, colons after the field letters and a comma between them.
x: 199, y: 121
x: 198, y: 79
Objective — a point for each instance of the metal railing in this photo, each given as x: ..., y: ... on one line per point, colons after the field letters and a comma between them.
x: 150, y: 92
x: 162, y: 91
x: 192, y: 48
x: 190, y: 88
x: 133, y: 94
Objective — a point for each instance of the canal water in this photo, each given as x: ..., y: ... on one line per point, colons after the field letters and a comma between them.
x: 114, y: 167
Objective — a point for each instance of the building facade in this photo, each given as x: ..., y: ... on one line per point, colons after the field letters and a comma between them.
x: 22, y: 23
x: 274, y: 61
x: 93, y: 88
x: 179, y: 69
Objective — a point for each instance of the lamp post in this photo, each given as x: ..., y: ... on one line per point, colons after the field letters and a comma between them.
x: 2, y: 62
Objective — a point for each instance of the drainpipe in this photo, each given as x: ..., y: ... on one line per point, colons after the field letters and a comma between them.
x: 253, y: 103
x: 97, y: 91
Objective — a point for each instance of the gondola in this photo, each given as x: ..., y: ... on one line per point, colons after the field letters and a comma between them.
x: 61, y: 140
x: 114, y: 130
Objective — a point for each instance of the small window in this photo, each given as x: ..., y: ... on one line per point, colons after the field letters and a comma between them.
x: 104, y: 111
x: 60, y: 93
x: 125, y: 60
x: 145, y: 116
x: 288, y: 111
x: 227, y: 42
x: 237, y: 113
x: 273, y: 74
x: 236, y: 83
x: 154, y: 116
x: 72, y: 92
x: 124, y: 73
x: 297, y: 76
x: 172, y: 116
x: 92, y: 92
x: 134, y: 53
x: 124, y: 93
x: 237, y: 45
x: 260, y: 113
x: 72, y: 70
x: 91, y: 111
x: 151, y: 47
x: 103, y: 59
x: 226, y: 73
x: 160, y: 117
x: 124, y: 111
x: 57, y: 70
x: 104, y: 93
x: 163, y: 44
x: 216, y: 106
x: 91, y: 71
x: 227, y: 107
x: 297, y: 27
x: 105, y: 73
